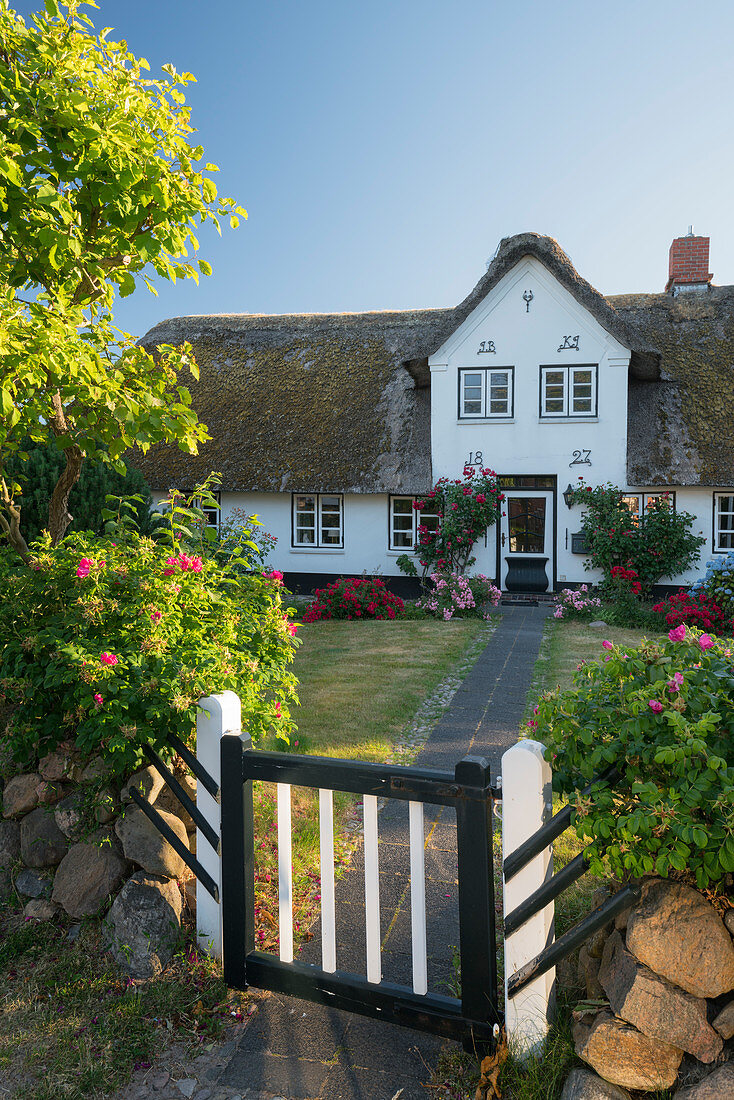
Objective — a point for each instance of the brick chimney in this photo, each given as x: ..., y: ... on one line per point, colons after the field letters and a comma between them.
x: 688, y: 264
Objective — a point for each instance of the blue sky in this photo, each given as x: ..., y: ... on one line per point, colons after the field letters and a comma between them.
x: 383, y: 148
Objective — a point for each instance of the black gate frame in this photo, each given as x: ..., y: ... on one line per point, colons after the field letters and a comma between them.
x: 475, y: 1019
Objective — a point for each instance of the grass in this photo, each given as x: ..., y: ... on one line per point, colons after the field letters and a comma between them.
x: 71, y: 1028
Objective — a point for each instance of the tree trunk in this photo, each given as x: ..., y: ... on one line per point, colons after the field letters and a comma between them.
x: 10, y: 524
x: 59, y: 516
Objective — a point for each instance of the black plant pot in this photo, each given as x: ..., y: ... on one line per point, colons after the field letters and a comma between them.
x: 526, y: 575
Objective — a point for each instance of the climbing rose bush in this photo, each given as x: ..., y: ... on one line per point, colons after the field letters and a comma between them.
x: 456, y: 595
x: 659, y: 544
x: 575, y: 603
x: 663, y: 713
x: 353, y: 598
x: 465, y: 509
x: 109, y: 643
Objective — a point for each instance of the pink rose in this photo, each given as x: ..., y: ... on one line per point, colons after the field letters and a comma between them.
x: 82, y: 569
x: 156, y: 616
x: 678, y: 633
x: 276, y: 575
x: 108, y: 659
x: 655, y: 706
x: 705, y: 641
x: 292, y: 628
x: 607, y: 645
x: 98, y: 699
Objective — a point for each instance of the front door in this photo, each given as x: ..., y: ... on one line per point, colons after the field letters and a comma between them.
x: 526, y: 541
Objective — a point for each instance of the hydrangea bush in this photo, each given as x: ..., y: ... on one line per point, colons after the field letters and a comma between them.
x: 663, y: 713
x: 717, y: 583
x: 576, y: 603
x: 465, y: 597
x: 353, y: 598
x: 110, y: 642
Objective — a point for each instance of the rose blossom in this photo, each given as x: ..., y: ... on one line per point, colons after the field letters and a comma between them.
x: 705, y: 641
x: 98, y: 699
x: 82, y: 569
x: 655, y: 706
x: 607, y: 645
x: 108, y: 659
x: 678, y: 633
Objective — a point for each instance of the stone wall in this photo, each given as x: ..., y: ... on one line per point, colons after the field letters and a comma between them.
x: 666, y: 971
x: 73, y: 841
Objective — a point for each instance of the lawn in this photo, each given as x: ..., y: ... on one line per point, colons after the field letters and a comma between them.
x: 567, y: 644
x: 70, y: 1026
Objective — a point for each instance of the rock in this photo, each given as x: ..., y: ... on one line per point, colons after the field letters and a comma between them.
x: 86, y: 877
x: 167, y: 800
x: 69, y: 815
x: 729, y: 920
x: 95, y: 770
x: 144, y: 924
x: 724, y: 1022
x: 42, y: 844
x: 60, y: 765
x: 106, y: 806
x: 597, y: 624
x: 595, y: 945
x: 9, y: 843
x: 144, y: 845
x: 621, y: 1054
x: 678, y: 934
x: 34, y: 884
x: 582, y: 1084
x: 620, y: 921
x: 40, y: 909
x: 588, y: 973
x: 50, y: 793
x: 187, y: 1087
x: 6, y: 885
x: 719, y: 1085
x: 656, y: 1008
x: 146, y: 781
x: 21, y: 795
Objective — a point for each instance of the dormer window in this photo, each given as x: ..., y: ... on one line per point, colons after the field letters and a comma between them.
x: 486, y: 393
x: 568, y: 391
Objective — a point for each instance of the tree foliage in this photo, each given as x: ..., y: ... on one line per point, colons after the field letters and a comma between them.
x: 99, y: 188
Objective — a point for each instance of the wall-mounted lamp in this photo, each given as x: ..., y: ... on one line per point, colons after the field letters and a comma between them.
x: 568, y: 495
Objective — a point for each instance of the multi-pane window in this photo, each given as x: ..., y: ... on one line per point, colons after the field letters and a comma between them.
x: 318, y: 520
x: 723, y: 522
x: 405, y: 520
x: 568, y: 391
x: 485, y: 393
x: 639, y: 503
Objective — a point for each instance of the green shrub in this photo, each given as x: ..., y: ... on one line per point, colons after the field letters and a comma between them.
x: 717, y: 584
x: 664, y: 714
x: 110, y: 642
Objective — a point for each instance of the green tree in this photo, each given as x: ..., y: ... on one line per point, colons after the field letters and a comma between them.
x: 99, y: 188
x: 39, y: 473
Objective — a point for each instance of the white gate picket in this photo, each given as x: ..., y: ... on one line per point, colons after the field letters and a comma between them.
x: 418, y: 898
x: 372, y: 890
x: 328, y: 906
x: 285, y: 873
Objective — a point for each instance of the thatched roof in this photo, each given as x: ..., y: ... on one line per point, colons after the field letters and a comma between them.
x: 680, y: 428
x: 341, y: 401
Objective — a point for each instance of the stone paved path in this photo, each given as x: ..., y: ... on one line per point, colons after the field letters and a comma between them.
x: 300, y: 1051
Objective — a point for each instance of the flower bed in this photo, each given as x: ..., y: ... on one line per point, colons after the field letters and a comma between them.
x: 353, y: 598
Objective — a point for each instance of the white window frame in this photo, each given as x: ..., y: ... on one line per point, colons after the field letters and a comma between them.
x: 643, y: 498
x: 718, y: 532
x: 568, y: 373
x: 485, y: 374
x: 318, y: 512
x: 213, y: 515
x: 418, y: 518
